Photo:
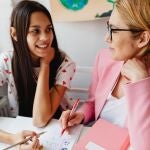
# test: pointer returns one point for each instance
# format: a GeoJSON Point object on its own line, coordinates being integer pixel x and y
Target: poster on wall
{"type": "Point", "coordinates": [80, 10]}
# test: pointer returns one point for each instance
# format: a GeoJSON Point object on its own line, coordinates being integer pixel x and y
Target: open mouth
{"type": "Point", "coordinates": [42, 46]}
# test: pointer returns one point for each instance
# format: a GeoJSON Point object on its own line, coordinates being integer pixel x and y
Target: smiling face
{"type": "Point", "coordinates": [40, 35]}
{"type": "Point", "coordinates": [122, 45]}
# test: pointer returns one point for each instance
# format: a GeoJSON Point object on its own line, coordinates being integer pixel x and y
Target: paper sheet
{"type": "Point", "coordinates": [52, 139]}
{"type": "Point", "coordinates": [91, 145]}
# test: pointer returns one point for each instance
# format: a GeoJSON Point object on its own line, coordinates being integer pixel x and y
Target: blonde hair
{"type": "Point", "coordinates": [135, 13]}
{"type": "Point", "coordinates": [136, 16]}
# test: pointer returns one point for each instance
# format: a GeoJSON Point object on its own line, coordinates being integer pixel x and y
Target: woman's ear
{"type": "Point", "coordinates": [144, 39]}
{"type": "Point", "coordinates": [13, 33]}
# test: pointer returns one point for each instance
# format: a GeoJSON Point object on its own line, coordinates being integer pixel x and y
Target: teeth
{"type": "Point", "coordinates": [42, 46]}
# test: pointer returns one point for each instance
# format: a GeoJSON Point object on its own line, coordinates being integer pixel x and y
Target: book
{"type": "Point", "coordinates": [52, 139]}
{"type": "Point", "coordinates": [104, 135]}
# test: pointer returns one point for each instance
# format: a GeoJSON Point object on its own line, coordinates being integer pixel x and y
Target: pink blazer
{"type": "Point", "coordinates": [105, 74]}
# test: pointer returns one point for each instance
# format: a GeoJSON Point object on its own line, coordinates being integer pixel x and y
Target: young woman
{"type": "Point", "coordinates": [120, 89]}
{"type": "Point", "coordinates": [36, 71]}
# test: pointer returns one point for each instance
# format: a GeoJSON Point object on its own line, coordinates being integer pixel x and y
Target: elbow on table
{"type": "Point", "coordinates": [41, 121]}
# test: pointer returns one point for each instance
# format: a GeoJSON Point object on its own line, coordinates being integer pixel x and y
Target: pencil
{"type": "Point", "coordinates": [21, 142]}
{"type": "Point", "coordinates": [75, 105]}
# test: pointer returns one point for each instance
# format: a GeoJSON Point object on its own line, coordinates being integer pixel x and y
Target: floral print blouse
{"type": "Point", "coordinates": [64, 76]}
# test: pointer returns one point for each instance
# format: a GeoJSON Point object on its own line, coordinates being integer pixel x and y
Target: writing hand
{"type": "Point", "coordinates": [31, 145]}
{"type": "Point", "coordinates": [67, 121]}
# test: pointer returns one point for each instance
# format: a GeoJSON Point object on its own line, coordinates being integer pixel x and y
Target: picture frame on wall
{"type": "Point", "coordinates": [80, 10]}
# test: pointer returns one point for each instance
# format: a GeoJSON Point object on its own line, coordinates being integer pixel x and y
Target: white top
{"type": "Point", "coordinates": [63, 77]}
{"type": "Point", "coordinates": [115, 110]}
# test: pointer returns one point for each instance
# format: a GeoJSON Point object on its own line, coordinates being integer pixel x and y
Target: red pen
{"type": "Point", "coordinates": [72, 110]}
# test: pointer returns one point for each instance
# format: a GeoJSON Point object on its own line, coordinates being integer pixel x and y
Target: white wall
{"type": "Point", "coordinates": [5, 11]}
{"type": "Point", "coordinates": [80, 40]}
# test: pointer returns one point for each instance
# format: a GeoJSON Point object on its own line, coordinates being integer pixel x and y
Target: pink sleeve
{"type": "Point", "coordinates": [88, 108]}
{"type": "Point", "coordinates": [138, 100]}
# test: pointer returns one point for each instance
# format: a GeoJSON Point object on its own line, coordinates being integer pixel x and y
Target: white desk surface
{"type": "Point", "coordinates": [6, 121]}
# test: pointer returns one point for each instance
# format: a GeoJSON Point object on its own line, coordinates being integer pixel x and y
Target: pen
{"type": "Point", "coordinates": [21, 142]}
{"type": "Point", "coordinates": [72, 110]}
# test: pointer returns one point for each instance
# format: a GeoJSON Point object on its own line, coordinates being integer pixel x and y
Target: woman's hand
{"type": "Point", "coordinates": [34, 144]}
{"type": "Point", "coordinates": [69, 121]}
{"type": "Point", "coordinates": [49, 57]}
{"type": "Point", "coordinates": [134, 70]}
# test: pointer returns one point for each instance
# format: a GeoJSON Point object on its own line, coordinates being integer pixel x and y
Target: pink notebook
{"type": "Point", "coordinates": [104, 135]}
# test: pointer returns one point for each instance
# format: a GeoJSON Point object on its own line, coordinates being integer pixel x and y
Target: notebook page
{"type": "Point", "coordinates": [52, 139]}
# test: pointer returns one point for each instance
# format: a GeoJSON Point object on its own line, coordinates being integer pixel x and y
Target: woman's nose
{"type": "Point", "coordinates": [44, 36]}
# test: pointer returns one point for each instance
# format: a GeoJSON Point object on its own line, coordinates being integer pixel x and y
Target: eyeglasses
{"type": "Point", "coordinates": [110, 30]}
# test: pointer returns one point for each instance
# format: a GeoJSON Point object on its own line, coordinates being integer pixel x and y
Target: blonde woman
{"type": "Point", "coordinates": [120, 89]}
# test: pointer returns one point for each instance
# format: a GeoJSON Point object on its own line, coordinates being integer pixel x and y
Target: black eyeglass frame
{"type": "Point", "coordinates": [110, 30]}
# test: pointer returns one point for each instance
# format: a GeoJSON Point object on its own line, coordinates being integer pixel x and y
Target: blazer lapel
{"type": "Point", "coordinates": [111, 74]}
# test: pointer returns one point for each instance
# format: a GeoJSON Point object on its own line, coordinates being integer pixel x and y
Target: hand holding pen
{"type": "Point", "coordinates": [70, 117]}
{"type": "Point", "coordinates": [29, 136]}
{"type": "Point", "coordinates": [70, 114]}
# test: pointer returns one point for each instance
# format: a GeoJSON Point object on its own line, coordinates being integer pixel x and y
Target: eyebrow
{"type": "Point", "coordinates": [111, 25]}
{"type": "Point", "coordinates": [37, 26]}
{"type": "Point", "coordinates": [114, 26]}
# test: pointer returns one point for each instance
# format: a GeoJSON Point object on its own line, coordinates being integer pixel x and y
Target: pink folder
{"type": "Point", "coordinates": [106, 135]}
